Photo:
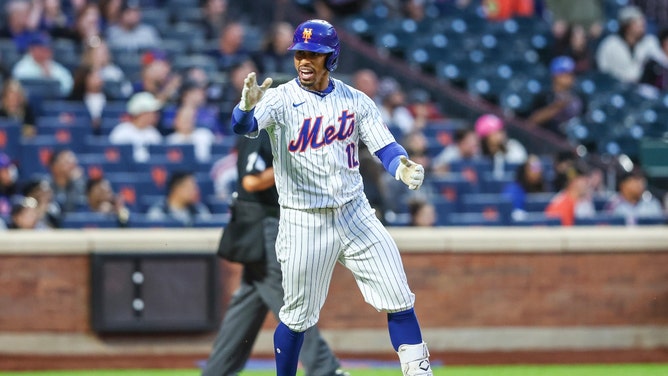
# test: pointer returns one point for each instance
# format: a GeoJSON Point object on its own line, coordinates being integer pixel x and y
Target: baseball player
{"type": "Point", "coordinates": [315, 124]}
{"type": "Point", "coordinates": [260, 289]}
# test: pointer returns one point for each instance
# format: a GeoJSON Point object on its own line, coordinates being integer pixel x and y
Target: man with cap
{"type": "Point", "coordinates": [38, 62]}
{"type": "Point", "coordinates": [24, 214]}
{"type": "Point", "coordinates": [130, 33]}
{"type": "Point", "coordinates": [561, 103]}
{"type": "Point", "coordinates": [633, 200]}
{"type": "Point", "coordinates": [625, 54]}
{"type": "Point", "coordinates": [140, 129]}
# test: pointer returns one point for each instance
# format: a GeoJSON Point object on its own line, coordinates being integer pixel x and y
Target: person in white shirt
{"type": "Point", "coordinates": [633, 201]}
{"type": "Point", "coordinates": [140, 130]}
{"type": "Point", "coordinates": [624, 55]}
{"type": "Point", "coordinates": [38, 62]}
{"type": "Point", "coordinates": [130, 33]}
{"type": "Point", "coordinates": [186, 132]}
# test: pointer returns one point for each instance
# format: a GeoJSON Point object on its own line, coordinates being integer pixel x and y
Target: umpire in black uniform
{"type": "Point", "coordinates": [250, 238]}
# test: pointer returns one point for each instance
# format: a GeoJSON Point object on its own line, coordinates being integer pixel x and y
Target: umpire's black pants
{"type": "Point", "coordinates": [261, 291]}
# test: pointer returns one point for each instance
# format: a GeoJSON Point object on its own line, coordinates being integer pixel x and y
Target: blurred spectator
{"type": "Point", "coordinates": [129, 33]}
{"type": "Point", "coordinates": [332, 9]}
{"type": "Point", "coordinates": [140, 130]}
{"type": "Point", "coordinates": [415, 9]}
{"type": "Point", "coordinates": [19, 25]}
{"type": "Point", "coordinates": [182, 202]}
{"type": "Point", "coordinates": [97, 56]}
{"type": "Point", "coordinates": [158, 77]}
{"type": "Point", "coordinates": [88, 88]}
{"type": "Point", "coordinates": [554, 108]}
{"type": "Point", "coordinates": [422, 107]}
{"type": "Point", "coordinates": [52, 18]}
{"type": "Point", "coordinates": [626, 54]}
{"type": "Point", "coordinates": [366, 81]}
{"type": "Point", "coordinates": [14, 105]}
{"type": "Point", "coordinates": [87, 26]}
{"type": "Point", "coordinates": [584, 15]}
{"type": "Point", "coordinates": [67, 180]}
{"type": "Point", "coordinates": [633, 201]}
{"type": "Point", "coordinates": [422, 213]}
{"type": "Point", "coordinates": [501, 10]}
{"type": "Point", "coordinates": [528, 179]}
{"type": "Point", "coordinates": [416, 144]}
{"type": "Point", "coordinates": [39, 63]}
{"type": "Point", "coordinates": [573, 201]}
{"type": "Point", "coordinates": [275, 56]}
{"type": "Point", "coordinates": [656, 11]}
{"type": "Point", "coordinates": [224, 176]}
{"type": "Point", "coordinates": [49, 213]}
{"type": "Point", "coordinates": [466, 147]}
{"type": "Point", "coordinates": [393, 107]}
{"type": "Point", "coordinates": [187, 132]}
{"type": "Point", "coordinates": [24, 215]}
{"type": "Point", "coordinates": [111, 12]}
{"type": "Point", "coordinates": [194, 95]}
{"type": "Point", "coordinates": [563, 161]}
{"type": "Point", "coordinates": [496, 145]}
{"type": "Point", "coordinates": [215, 17]}
{"type": "Point", "coordinates": [230, 50]}
{"type": "Point", "coordinates": [214, 89]}
{"type": "Point", "coordinates": [238, 73]}
{"type": "Point", "coordinates": [656, 74]}
{"type": "Point", "coordinates": [576, 45]}
{"type": "Point", "coordinates": [8, 176]}
{"type": "Point", "coordinates": [102, 199]}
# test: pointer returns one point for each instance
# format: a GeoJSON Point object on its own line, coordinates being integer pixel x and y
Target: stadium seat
{"type": "Point", "coordinates": [444, 209]}
{"type": "Point", "coordinates": [214, 221]}
{"type": "Point", "coordinates": [65, 108]}
{"type": "Point", "coordinates": [529, 219]}
{"type": "Point", "coordinates": [174, 157]}
{"type": "Point", "coordinates": [472, 219]}
{"type": "Point", "coordinates": [138, 220]}
{"type": "Point", "coordinates": [64, 133]}
{"type": "Point", "coordinates": [491, 206]}
{"type": "Point", "coordinates": [601, 220]}
{"type": "Point", "coordinates": [99, 164]}
{"type": "Point", "coordinates": [451, 187]}
{"type": "Point", "coordinates": [537, 202]}
{"type": "Point", "coordinates": [39, 89]}
{"type": "Point", "coordinates": [36, 152]}
{"type": "Point", "coordinates": [88, 220]}
{"type": "Point", "coordinates": [10, 137]}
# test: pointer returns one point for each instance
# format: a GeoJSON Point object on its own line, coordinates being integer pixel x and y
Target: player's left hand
{"type": "Point", "coordinates": [409, 172]}
{"type": "Point", "coordinates": [252, 92]}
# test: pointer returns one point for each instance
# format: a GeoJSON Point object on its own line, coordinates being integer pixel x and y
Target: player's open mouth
{"type": "Point", "coordinates": [306, 74]}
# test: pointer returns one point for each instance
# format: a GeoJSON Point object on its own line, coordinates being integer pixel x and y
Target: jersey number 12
{"type": "Point", "coordinates": [352, 159]}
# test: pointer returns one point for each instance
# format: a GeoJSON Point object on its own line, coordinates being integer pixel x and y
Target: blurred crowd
{"type": "Point", "coordinates": [149, 73]}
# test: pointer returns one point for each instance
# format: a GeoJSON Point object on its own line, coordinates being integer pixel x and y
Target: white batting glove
{"type": "Point", "coordinates": [409, 172]}
{"type": "Point", "coordinates": [252, 93]}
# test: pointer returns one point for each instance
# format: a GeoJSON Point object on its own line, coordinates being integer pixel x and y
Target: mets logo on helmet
{"type": "Point", "coordinates": [306, 34]}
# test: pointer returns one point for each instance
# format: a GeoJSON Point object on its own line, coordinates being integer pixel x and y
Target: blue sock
{"type": "Point", "coordinates": [404, 328]}
{"type": "Point", "coordinates": [287, 345]}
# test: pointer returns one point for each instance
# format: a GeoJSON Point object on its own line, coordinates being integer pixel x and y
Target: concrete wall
{"type": "Point", "coordinates": [505, 289]}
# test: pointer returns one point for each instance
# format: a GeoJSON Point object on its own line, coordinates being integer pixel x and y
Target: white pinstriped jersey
{"type": "Point", "coordinates": [315, 142]}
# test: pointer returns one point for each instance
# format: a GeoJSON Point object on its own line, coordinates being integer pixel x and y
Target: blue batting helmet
{"type": "Point", "coordinates": [318, 36]}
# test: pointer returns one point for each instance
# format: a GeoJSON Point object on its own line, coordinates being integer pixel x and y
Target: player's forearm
{"type": "Point", "coordinates": [243, 122]}
{"type": "Point", "coordinates": [389, 156]}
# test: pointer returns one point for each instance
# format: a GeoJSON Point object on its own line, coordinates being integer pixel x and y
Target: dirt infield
{"type": "Point", "coordinates": [27, 362]}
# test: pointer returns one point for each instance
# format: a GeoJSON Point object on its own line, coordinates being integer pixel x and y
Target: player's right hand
{"type": "Point", "coordinates": [409, 172]}
{"type": "Point", "coordinates": [252, 93]}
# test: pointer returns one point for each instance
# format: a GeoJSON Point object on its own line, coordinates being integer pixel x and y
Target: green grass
{"type": "Point", "coordinates": [560, 370]}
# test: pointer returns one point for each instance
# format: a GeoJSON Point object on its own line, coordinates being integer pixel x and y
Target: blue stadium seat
{"type": "Point", "coordinates": [537, 202]}
{"type": "Point", "coordinates": [138, 220]}
{"type": "Point", "coordinates": [64, 133]}
{"type": "Point", "coordinates": [472, 219]}
{"type": "Point", "coordinates": [39, 89]}
{"type": "Point", "coordinates": [215, 221]}
{"type": "Point", "coordinates": [132, 186]}
{"type": "Point", "coordinates": [444, 209]}
{"type": "Point", "coordinates": [100, 164]}
{"type": "Point", "coordinates": [647, 221]}
{"type": "Point", "coordinates": [36, 152]}
{"type": "Point", "coordinates": [489, 183]}
{"type": "Point", "coordinates": [88, 220]}
{"type": "Point", "coordinates": [216, 205]}
{"type": "Point", "coordinates": [601, 220]}
{"type": "Point", "coordinates": [10, 137]}
{"type": "Point", "coordinates": [536, 219]}
{"type": "Point", "coordinates": [75, 109]}
{"type": "Point", "coordinates": [452, 187]}
{"type": "Point", "coordinates": [491, 206]}
{"type": "Point", "coordinates": [181, 155]}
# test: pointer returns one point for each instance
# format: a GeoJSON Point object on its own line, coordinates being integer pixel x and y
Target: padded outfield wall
{"type": "Point", "coordinates": [502, 295]}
